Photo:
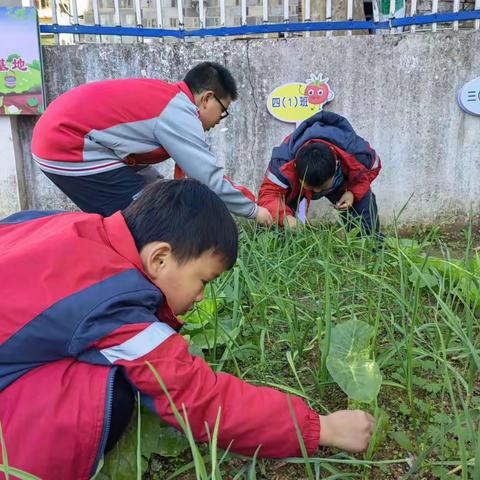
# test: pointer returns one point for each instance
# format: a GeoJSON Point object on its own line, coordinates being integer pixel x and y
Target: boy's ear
{"type": "Point", "coordinates": [155, 257]}
{"type": "Point", "coordinates": [205, 97]}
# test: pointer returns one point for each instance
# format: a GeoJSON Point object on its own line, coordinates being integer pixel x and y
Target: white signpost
{"type": "Point", "coordinates": [468, 97]}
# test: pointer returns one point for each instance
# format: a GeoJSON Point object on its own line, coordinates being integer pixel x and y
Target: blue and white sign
{"type": "Point", "coordinates": [469, 97]}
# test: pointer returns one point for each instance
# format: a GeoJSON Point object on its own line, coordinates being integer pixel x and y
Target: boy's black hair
{"type": "Point", "coordinates": [187, 215]}
{"type": "Point", "coordinates": [315, 163]}
{"type": "Point", "coordinates": [211, 76]}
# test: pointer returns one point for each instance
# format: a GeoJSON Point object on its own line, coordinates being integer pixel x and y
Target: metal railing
{"type": "Point", "coordinates": [393, 24]}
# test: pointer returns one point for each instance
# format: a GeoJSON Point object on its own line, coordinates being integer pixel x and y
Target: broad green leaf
{"type": "Point", "coordinates": [408, 245]}
{"type": "Point", "coordinates": [351, 339]}
{"type": "Point", "coordinates": [349, 361]}
{"type": "Point", "coordinates": [195, 350]}
{"type": "Point", "coordinates": [424, 279]}
{"type": "Point", "coordinates": [204, 311]}
{"type": "Point", "coordinates": [120, 462]}
{"type": "Point", "coordinates": [206, 339]}
{"type": "Point", "coordinates": [245, 351]}
{"type": "Point", "coordinates": [442, 473]}
{"type": "Point", "coordinates": [461, 274]}
{"type": "Point", "coordinates": [156, 437]}
{"type": "Point", "coordinates": [360, 379]}
{"type": "Point", "coordinates": [160, 438]}
{"type": "Point", "coordinates": [402, 439]}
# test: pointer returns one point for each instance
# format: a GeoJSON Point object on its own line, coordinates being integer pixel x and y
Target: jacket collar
{"type": "Point", "coordinates": [184, 88]}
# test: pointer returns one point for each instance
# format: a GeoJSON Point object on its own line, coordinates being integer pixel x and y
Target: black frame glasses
{"type": "Point", "coordinates": [225, 112]}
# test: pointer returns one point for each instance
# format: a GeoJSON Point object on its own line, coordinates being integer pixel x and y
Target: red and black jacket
{"type": "Point", "coordinates": [281, 191]}
{"type": "Point", "coordinates": [79, 306]}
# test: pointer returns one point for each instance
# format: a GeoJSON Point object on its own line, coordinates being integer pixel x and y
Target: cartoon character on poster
{"type": "Point", "coordinates": [318, 91]}
{"type": "Point", "coordinates": [295, 102]}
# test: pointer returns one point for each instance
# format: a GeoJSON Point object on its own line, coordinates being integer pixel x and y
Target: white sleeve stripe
{"type": "Point", "coordinates": [275, 180]}
{"type": "Point", "coordinates": [139, 345]}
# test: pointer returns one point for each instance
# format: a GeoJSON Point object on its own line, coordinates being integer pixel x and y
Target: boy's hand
{"type": "Point", "coordinates": [346, 201]}
{"type": "Point", "coordinates": [263, 217]}
{"type": "Point", "coordinates": [348, 430]}
{"type": "Point", "coordinates": [292, 222]}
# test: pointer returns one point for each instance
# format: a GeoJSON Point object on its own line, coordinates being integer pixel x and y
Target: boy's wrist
{"type": "Point", "coordinates": [254, 212]}
{"type": "Point", "coordinates": [325, 432]}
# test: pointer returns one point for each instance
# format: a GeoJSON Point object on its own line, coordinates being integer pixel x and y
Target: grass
{"type": "Point", "coordinates": [272, 325]}
{"type": "Point", "coordinates": [8, 471]}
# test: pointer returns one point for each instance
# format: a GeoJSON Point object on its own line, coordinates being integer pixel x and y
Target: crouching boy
{"type": "Point", "coordinates": [87, 300]}
{"type": "Point", "coordinates": [323, 157]}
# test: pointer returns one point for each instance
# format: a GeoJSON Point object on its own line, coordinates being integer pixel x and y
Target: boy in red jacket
{"type": "Point", "coordinates": [323, 157]}
{"type": "Point", "coordinates": [101, 156]}
{"type": "Point", "coordinates": [87, 300]}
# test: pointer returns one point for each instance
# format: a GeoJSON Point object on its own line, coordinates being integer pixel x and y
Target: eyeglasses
{"type": "Point", "coordinates": [224, 113]}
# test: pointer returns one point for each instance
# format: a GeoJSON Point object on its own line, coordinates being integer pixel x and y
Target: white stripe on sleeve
{"type": "Point", "coordinates": [139, 345]}
{"type": "Point", "coordinates": [275, 180]}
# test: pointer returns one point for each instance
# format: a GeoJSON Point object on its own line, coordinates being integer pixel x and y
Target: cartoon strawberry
{"type": "Point", "coordinates": [318, 91]}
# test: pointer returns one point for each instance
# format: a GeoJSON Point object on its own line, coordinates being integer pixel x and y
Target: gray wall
{"type": "Point", "coordinates": [399, 92]}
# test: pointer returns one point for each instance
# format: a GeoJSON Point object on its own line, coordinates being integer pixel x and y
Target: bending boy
{"type": "Point", "coordinates": [323, 157]}
{"type": "Point", "coordinates": [96, 141]}
{"type": "Point", "coordinates": [87, 300]}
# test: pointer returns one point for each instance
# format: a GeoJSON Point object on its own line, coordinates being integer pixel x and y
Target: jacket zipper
{"type": "Point", "coordinates": [107, 419]}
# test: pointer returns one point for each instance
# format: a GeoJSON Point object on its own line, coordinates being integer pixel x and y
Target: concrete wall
{"type": "Point", "coordinates": [399, 92]}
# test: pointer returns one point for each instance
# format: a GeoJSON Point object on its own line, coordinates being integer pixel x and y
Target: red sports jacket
{"type": "Point", "coordinates": [281, 192]}
{"type": "Point", "coordinates": [76, 305]}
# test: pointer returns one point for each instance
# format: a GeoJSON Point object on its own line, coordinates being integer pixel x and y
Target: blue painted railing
{"type": "Point", "coordinates": [265, 28]}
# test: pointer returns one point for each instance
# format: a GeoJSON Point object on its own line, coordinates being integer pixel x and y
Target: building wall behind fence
{"type": "Point", "coordinates": [399, 92]}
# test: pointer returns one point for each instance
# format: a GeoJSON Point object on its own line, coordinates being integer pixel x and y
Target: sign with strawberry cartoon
{"type": "Point", "coordinates": [295, 102]}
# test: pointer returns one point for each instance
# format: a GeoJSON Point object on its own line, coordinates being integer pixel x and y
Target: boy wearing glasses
{"type": "Point", "coordinates": [323, 157]}
{"type": "Point", "coordinates": [97, 142]}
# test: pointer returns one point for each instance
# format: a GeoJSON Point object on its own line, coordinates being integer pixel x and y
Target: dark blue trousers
{"type": "Point", "coordinates": [106, 192]}
{"type": "Point", "coordinates": [364, 212]}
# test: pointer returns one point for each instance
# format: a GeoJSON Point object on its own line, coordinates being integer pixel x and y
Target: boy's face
{"type": "Point", "coordinates": [212, 109]}
{"type": "Point", "coordinates": [327, 185]}
{"type": "Point", "coordinates": [182, 284]}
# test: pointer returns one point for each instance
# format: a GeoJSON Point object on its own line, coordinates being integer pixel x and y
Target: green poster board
{"type": "Point", "coordinates": [21, 77]}
{"type": "Point", "coordinates": [385, 9]}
